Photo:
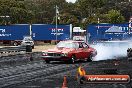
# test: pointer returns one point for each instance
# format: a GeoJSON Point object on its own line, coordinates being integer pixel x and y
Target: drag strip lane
{"type": "Point", "coordinates": [35, 72]}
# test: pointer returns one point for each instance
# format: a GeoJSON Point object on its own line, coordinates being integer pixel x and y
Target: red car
{"type": "Point", "coordinates": [69, 51]}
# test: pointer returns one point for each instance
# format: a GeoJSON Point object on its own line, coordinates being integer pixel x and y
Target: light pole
{"type": "Point", "coordinates": [57, 12]}
{"type": "Point", "coordinates": [130, 20]}
{"type": "Point", "coordinates": [98, 26]}
{"type": "Point", "coordinates": [130, 26]}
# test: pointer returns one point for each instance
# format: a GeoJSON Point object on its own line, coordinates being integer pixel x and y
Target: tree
{"type": "Point", "coordinates": [67, 18]}
{"type": "Point", "coordinates": [16, 11]}
{"type": "Point", "coordinates": [115, 16]}
{"type": "Point", "coordinates": [89, 7]}
{"type": "Point", "coordinates": [43, 11]}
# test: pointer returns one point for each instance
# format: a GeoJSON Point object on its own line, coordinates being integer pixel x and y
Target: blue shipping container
{"type": "Point", "coordinates": [14, 32]}
{"type": "Point", "coordinates": [98, 31]}
{"type": "Point", "coordinates": [48, 32]}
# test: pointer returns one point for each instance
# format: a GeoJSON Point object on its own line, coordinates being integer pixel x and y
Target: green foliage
{"type": "Point", "coordinates": [67, 18]}
{"type": "Point", "coordinates": [43, 11]}
{"type": "Point", "coordinates": [115, 16]}
{"type": "Point", "coordinates": [89, 7]}
{"type": "Point", "coordinates": [16, 11]}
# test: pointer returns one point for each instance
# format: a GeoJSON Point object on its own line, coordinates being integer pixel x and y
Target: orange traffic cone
{"type": "Point", "coordinates": [64, 83]}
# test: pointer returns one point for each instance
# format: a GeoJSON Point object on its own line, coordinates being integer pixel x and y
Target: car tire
{"type": "Point", "coordinates": [72, 60]}
{"type": "Point", "coordinates": [47, 61]}
{"type": "Point", "coordinates": [89, 59]}
{"type": "Point", "coordinates": [33, 47]}
{"type": "Point", "coordinates": [31, 58]}
{"type": "Point", "coordinates": [15, 44]}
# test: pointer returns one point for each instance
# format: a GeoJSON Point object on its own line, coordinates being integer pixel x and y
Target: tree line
{"type": "Point", "coordinates": [80, 13]}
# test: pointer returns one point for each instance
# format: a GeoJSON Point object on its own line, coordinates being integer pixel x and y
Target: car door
{"type": "Point", "coordinates": [86, 51]}
{"type": "Point", "coordinates": [82, 50]}
{"type": "Point", "coordinates": [79, 51]}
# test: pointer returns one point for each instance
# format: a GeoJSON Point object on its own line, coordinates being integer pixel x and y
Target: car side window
{"type": "Point", "coordinates": [85, 45]}
{"type": "Point", "coordinates": [80, 45]}
{"type": "Point", "coordinates": [76, 45]}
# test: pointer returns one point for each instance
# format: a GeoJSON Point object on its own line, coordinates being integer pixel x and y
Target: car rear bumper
{"type": "Point", "coordinates": [55, 58]}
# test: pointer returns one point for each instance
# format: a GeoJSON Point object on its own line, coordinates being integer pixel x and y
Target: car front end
{"type": "Point", "coordinates": [27, 41]}
{"type": "Point", "coordinates": [24, 43]}
{"type": "Point", "coordinates": [55, 56]}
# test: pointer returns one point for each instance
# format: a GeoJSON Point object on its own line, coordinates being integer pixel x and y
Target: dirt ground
{"type": "Point", "coordinates": [37, 48]}
{"type": "Point", "coordinates": [42, 47]}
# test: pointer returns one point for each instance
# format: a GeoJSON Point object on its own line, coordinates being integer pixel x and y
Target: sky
{"type": "Point", "coordinates": [73, 1]}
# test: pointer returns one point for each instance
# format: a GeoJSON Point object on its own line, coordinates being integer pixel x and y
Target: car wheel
{"type": "Point", "coordinates": [31, 58]}
{"type": "Point", "coordinates": [47, 61]}
{"type": "Point", "coordinates": [33, 47]}
{"type": "Point", "coordinates": [72, 60]}
{"type": "Point", "coordinates": [15, 44]}
{"type": "Point", "coordinates": [90, 58]}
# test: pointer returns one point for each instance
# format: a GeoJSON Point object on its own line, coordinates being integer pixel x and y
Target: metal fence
{"type": "Point", "coordinates": [5, 51]}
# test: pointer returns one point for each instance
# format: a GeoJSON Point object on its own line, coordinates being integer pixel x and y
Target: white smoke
{"type": "Point", "coordinates": [111, 50]}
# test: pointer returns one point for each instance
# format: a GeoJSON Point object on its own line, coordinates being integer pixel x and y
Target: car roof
{"type": "Point", "coordinates": [73, 41]}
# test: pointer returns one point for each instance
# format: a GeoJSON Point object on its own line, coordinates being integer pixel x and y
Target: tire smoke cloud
{"type": "Point", "coordinates": [111, 49]}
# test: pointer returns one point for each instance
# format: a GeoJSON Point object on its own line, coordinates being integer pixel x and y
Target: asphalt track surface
{"type": "Point", "coordinates": [19, 72]}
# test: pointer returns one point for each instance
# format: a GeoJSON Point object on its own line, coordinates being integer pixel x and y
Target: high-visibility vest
{"type": "Point", "coordinates": [81, 71]}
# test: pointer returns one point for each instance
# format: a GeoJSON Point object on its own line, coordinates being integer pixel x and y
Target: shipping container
{"type": "Point", "coordinates": [14, 32]}
{"type": "Point", "coordinates": [99, 32]}
{"type": "Point", "coordinates": [41, 32]}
